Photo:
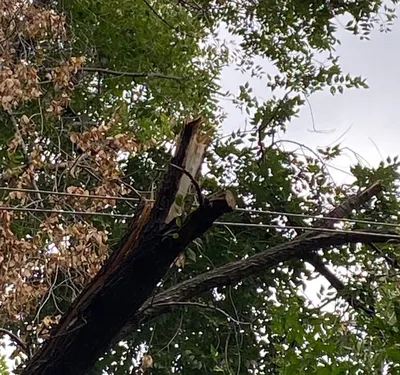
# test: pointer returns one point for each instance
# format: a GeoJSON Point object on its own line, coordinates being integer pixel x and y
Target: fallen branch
{"type": "Point", "coordinates": [350, 204]}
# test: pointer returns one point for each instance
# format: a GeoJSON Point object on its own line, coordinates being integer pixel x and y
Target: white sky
{"type": "Point", "coordinates": [371, 113]}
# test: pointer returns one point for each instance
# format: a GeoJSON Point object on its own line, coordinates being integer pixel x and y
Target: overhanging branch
{"type": "Point", "coordinates": [234, 272]}
{"type": "Point", "coordinates": [130, 74]}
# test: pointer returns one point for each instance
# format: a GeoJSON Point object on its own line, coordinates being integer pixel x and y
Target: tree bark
{"type": "Point", "coordinates": [234, 272]}
{"type": "Point", "coordinates": [124, 283]}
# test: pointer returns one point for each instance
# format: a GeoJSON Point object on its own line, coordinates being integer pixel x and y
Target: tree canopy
{"type": "Point", "coordinates": [102, 104]}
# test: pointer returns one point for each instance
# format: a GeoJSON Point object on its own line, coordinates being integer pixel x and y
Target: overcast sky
{"type": "Point", "coordinates": [371, 114]}
{"type": "Point", "coordinates": [370, 118]}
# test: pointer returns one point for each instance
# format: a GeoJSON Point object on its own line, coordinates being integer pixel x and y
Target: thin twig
{"type": "Point", "coordinates": [194, 182]}
{"type": "Point", "coordinates": [313, 119]}
{"type": "Point", "coordinates": [160, 17]}
{"type": "Point", "coordinates": [266, 124]}
{"type": "Point", "coordinates": [16, 340]}
{"type": "Point", "coordinates": [47, 296]}
{"type": "Point", "coordinates": [202, 305]}
{"type": "Point", "coordinates": [129, 74]}
{"type": "Point", "coordinates": [174, 336]}
{"type": "Point", "coordinates": [25, 153]}
{"type": "Point", "coordinates": [393, 262]}
{"type": "Point", "coordinates": [302, 147]}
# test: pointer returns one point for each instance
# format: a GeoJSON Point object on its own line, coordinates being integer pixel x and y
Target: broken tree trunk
{"type": "Point", "coordinates": [131, 274]}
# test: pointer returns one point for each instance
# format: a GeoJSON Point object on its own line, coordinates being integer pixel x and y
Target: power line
{"type": "Point", "coordinates": [247, 210]}
{"type": "Point", "coordinates": [64, 212]}
{"type": "Point", "coordinates": [312, 229]}
{"type": "Point", "coordinates": [307, 216]}
{"type": "Point", "coordinates": [223, 223]}
{"type": "Point", "coordinates": [62, 193]}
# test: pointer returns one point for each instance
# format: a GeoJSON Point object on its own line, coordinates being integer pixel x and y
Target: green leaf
{"type": "Point", "coordinates": [191, 254]}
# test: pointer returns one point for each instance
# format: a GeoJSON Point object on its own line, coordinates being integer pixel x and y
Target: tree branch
{"type": "Point", "coordinates": [319, 265]}
{"type": "Point", "coordinates": [389, 260]}
{"type": "Point", "coordinates": [342, 211]}
{"type": "Point", "coordinates": [194, 287]}
{"type": "Point", "coordinates": [194, 182]}
{"type": "Point", "coordinates": [129, 74]}
{"type": "Point", "coordinates": [350, 204]}
{"type": "Point", "coordinates": [234, 272]}
{"type": "Point", "coordinates": [172, 305]}
{"type": "Point", "coordinates": [16, 340]}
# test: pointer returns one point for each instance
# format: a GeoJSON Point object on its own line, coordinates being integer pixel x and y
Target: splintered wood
{"type": "Point", "coordinates": [192, 163]}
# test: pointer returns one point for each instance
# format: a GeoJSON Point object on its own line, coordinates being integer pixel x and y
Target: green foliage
{"type": "Point", "coordinates": [265, 324]}
{"type": "Point", "coordinates": [130, 37]}
{"type": "Point", "coordinates": [3, 366]}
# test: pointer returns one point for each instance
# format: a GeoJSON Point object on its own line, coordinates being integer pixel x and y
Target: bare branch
{"type": "Point", "coordinates": [194, 182]}
{"type": "Point", "coordinates": [16, 340]}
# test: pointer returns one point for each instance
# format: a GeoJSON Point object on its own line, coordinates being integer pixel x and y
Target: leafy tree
{"type": "Point", "coordinates": [92, 95]}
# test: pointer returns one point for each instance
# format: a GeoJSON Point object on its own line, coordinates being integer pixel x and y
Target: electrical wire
{"type": "Point", "coordinates": [307, 216]}
{"type": "Point", "coordinates": [246, 210]}
{"type": "Point", "coordinates": [312, 229]}
{"type": "Point", "coordinates": [224, 223]}
{"type": "Point", "coordinates": [62, 193]}
{"type": "Point", "coordinates": [64, 212]}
